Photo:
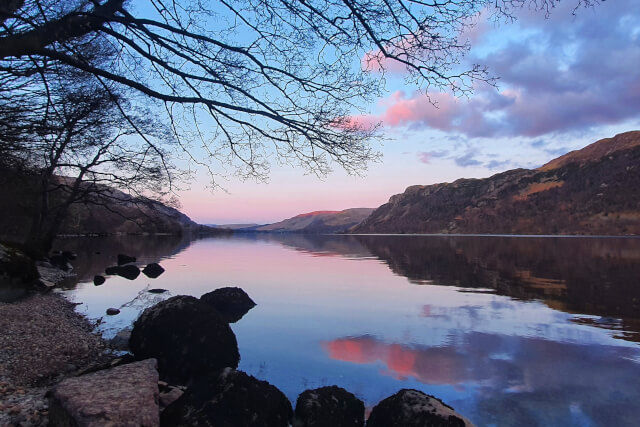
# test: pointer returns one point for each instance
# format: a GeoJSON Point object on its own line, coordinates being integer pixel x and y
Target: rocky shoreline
{"type": "Point", "coordinates": [42, 341]}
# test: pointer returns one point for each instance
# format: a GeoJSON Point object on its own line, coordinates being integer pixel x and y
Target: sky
{"type": "Point", "coordinates": [564, 81]}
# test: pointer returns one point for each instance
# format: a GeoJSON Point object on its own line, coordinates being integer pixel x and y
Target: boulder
{"type": "Point", "coordinates": [60, 261]}
{"type": "Point", "coordinates": [153, 270]}
{"type": "Point", "coordinates": [18, 274]}
{"type": "Point", "coordinates": [121, 340]}
{"type": "Point", "coordinates": [129, 271]}
{"type": "Point", "coordinates": [157, 291]}
{"type": "Point", "coordinates": [231, 303]}
{"type": "Point", "coordinates": [112, 311]}
{"type": "Point", "coordinates": [125, 259]}
{"type": "Point", "coordinates": [413, 408]}
{"type": "Point", "coordinates": [187, 337]}
{"type": "Point", "coordinates": [126, 395]}
{"type": "Point", "coordinates": [98, 280]}
{"type": "Point", "coordinates": [229, 398]}
{"type": "Point", "coordinates": [328, 407]}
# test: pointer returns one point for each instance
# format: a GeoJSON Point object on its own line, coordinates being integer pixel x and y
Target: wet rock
{"type": "Point", "coordinates": [157, 291]}
{"type": "Point", "coordinates": [112, 271]}
{"type": "Point", "coordinates": [125, 259]}
{"type": "Point", "coordinates": [112, 311]}
{"type": "Point", "coordinates": [153, 270]}
{"type": "Point", "coordinates": [126, 395]}
{"type": "Point", "coordinates": [231, 303]}
{"type": "Point", "coordinates": [121, 340]}
{"type": "Point", "coordinates": [186, 336]}
{"type": "Point", "coordinates": [129, 271]}
{"type": "Point", "coordinates": [328, 407]}
{"type": "Point", "coordinates": [98, 280]}
{"type": "Point", "coordinates": [413, 408]}
{"type": "Point", "coordinates": [229, 398]}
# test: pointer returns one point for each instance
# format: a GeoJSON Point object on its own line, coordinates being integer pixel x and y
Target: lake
{"type": "Point", "coordinates": [507, 330]}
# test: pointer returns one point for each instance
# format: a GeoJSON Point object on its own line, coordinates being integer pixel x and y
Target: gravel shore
{"type": "Point", "coordinates": [42, 341]}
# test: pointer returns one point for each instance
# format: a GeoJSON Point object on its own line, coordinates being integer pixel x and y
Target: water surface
{"type": "Point", "coordinates": [507, 330]}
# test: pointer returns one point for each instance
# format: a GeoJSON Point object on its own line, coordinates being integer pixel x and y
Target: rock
{"type": "Point", "coordinates": [60, 262]}
{"type": "Point", "coordinates": [121, 340]}
{"type": "Point", "coordinates": [171, 395]}
{"type": "Point", "coordinates": [112, 311]}
{"type": "Point", "coordinates": [153, 270]}
{"type": "Point", "coordinates": [70, 256]}
{"type": "Point", "coordinates": [328, 407]}
{"type": "Point", "coordinates": [129, 271]}
{"type": "Point", "coordinates": [112, 271]}
{"type": "Point", "coordinates": [187, 337]}
{"type": "Point", "coordinates": [231, 303]}
{"type": "Point", "coordinates": [46, 284]}
{"type": "Point", "coordinates": [413, 408]}
{"type": "Point", "coordinates": [126, 395]}
{"type": "Point", "coordinates": [229, 398]}
{"type": "Point", "coordinates": [157, 291]}
{"type": "Point", "coordinates": [125, 259]}
{"type": "Point", "coordinates": [98, 280]}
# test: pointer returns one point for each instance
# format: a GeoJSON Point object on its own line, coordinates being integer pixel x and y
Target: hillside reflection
{"type": "Point", "coordinates": [595, 276]}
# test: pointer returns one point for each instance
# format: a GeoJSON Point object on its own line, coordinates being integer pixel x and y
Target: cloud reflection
{"type": "Point", "coordinates": [538, 378]}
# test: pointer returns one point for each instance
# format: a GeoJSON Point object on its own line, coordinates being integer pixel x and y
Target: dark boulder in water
{"type": "Point", "coordinates": [112, 311]}
{"type": "Point", "coordinates": [328, 407]}
{"type": "Point", "coordinates": [229, 398]}
{"type": "Point", "coordinates": [125, 259]}
{"type": "Point", "coordinates": [413, 408]}
{"type": "Point", "coordinates": [187, 338]}
{"type": "Point", "coordinates": [98, 280]}
{"type": "Point", "coordinates": [130, 272]}
{"type": "Point", "coordinates": [153, 270]}
{"type": "Point", "coordinates": [231, 303]}
{"type": "Point", "coordinates": [157, 291]}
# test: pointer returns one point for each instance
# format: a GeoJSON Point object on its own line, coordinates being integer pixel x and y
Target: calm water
{"type": "Point", "coordinates": [508, 330]}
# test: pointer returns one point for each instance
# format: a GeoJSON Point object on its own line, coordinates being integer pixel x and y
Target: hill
{"type": "Point", "coordinates": [319, 222]}
{"type": "Point", "coordinates": [595, 190]}
{"type": "Point", "coordinates": [123, 214]}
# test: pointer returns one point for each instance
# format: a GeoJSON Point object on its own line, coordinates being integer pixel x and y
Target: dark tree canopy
{"type": "Point", "coordinates": [250, 79]}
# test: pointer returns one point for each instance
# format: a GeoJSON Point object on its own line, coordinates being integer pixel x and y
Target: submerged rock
{"type": "Point", "coordinates": [98, 280]}
{"type": "Point", "coordinates": [229, 398]}
{"type": "Point", "coordinates": [328, 407]}
{"type": "Point", "coordinates": [231, 303]}
{"type": "Point", "coordinates": [125, 259]}
{"type": "Point", "coordinates": [153, 270]}
{"type": "Point", "coordinates": [187, 337]}
{"type": "Point", "coordinates": [126, 395]}
{"type": "Point", "coordinates": [413, 408]}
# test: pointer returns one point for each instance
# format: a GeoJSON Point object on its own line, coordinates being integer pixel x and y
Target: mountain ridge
{"type": "Point", "coordinates": [595, 190]}
{"type": "Point", "coordinates": [319, 222]}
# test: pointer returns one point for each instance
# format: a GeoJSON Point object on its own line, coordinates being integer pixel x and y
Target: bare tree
{"type": "Point", "coordinates": [247, 79]}
{"type": "Point", "coordinates": [78, 142]}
